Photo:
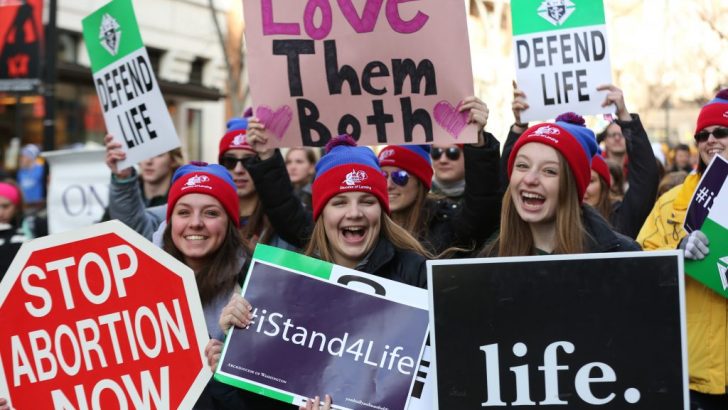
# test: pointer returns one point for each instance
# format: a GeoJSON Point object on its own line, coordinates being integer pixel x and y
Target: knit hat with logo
{"type": "Point", "coordinates": [347, 168]}
{"type": "Point", "coordinates": [203, 178]}
{"type": "Point", "coordinates": [415, 159]}
{"type": "Point", "coordinates": [715, 112]}
{"type": "Point", "coordinates": [234, 137]}
{"type": "Point", "coordinates": [571, 138]}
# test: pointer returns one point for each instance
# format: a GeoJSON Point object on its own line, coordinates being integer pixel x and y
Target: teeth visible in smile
{"type": "Point", "coordinates": [194, 237]}
{"type": "Point", "coordinates": [529, 195]}
{"type": "Point", "coordinates": [352, 229]}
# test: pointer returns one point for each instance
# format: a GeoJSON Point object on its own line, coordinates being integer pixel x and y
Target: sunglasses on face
{"type": "Point", "coordinates": [453, 153]}
{"type": "Point", "coordinates": [718, 133]}
{"type": "Point", "coordinates": [399, 177]}
{"type": "Point", "coordinates": [231, 162]}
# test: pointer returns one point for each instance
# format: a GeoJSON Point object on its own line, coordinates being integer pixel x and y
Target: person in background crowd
{"type": "Point", "coordinates": [437, 222]}
{"type": "Point", "coordinates": [707, 312]}
{"type": "Point", "coordinates": [31, 175]}
{"type": "Point", "coordinates": [617, 188]}
{"type": "Point", "coordinates": [12, 233]}
{"type": "Point", "coordinates": [155, 178]}
{"type": "Point", "coordinates": [628, 215]}
{"type": "Point", "coordinates": [300, 164]}
{"type": "Point", "coordinates": [681, 160]}
{"type": "Point", "coordinates": [670, 181]}
{"type": "Point", "coordinates": [542, 213]}
{"type": "Point", "coordinates": [615, 145]}
{"type": "Point", "coordinates": [126, 204]}
{"type": "Point", "coordinates": [449, 164]}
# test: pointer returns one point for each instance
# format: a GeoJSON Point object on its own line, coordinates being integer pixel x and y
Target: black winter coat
{"type": "Point", "coordinates": [468, 223]}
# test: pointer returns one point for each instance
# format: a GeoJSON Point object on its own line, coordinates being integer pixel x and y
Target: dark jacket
{"type": "Point", "coordinates": [601, 237]}
{"type": "Point", "coordinates": [468, 223]}
{"type": "Point", "coordinates": [643, 178]}
{"type": "Point", "coordinates": [294, 224]}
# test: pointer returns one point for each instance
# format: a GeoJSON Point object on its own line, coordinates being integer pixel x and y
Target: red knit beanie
{"type": "Point", "coordinates": [347, 168]}
{"type": "Point", "coordinates": [715, 112]}
{"type": "Point", "coordinates": [234, 137]}
{"type": "Point", "coordinates": [412, 158]}
{"type": "Point", "coordinates": [208, 179]}
{"type": "Point", "coordinates": [599, 165]}
{"type": "Point", "coordinates": [571, 138]}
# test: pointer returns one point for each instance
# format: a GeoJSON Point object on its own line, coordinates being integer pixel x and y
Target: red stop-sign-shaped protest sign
{"type": "Point", "coordinates": [99, 318]}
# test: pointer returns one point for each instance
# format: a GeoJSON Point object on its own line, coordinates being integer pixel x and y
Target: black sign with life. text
{"type": "Point", "coordinates": [601, 331]}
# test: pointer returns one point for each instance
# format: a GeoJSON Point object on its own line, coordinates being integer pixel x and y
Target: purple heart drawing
{"type": "Point", "coordinates": [449, 118]}
{"type": "Point", "coordinates": [276, 121]}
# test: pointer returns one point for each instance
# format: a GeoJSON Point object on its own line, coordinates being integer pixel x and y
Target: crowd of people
{"type": "Point", "coordinates": [554, 188]}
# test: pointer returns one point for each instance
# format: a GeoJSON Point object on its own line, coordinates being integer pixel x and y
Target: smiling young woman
{"type": "Point", "coordinates": [542, 213]}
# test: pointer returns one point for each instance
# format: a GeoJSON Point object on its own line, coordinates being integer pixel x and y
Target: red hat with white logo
{"type": "Point", "coordinates": [203, 178]}
{"type": "Point", "coordinates": [414, 159]}
{"type": "Point", "coordinates": [715, 112]}
{"type": "Point", "coordinates": [347, 168]}
{"type": "Point", "coordinates": [234, 137]}
{"type": "Point", "coordinates": [571, 138]}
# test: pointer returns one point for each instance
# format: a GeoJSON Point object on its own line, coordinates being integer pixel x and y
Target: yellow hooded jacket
{"type": "Point", "coordinates": [706, 310]}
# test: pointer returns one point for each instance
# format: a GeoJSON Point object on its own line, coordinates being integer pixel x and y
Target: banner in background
{"type": "Point", "coordinates": [561, 53]}
{"type": "Point", "coordinates": [78, 188]}
{"type": "Point", "coordinates": [134, 109]}
{"type": "Point", "coordinates": [21, 44]}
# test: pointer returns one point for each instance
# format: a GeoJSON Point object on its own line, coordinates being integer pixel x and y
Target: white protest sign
{"type": "Point", "coordinates": [561, 55]}
{"type": "Point", "coordinates": [134, 109]}
{"type": "Point", "coordinates": [78, 189]}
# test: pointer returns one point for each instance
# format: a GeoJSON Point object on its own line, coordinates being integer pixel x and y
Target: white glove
{"type": "Point", "coordinates": [695, 245]}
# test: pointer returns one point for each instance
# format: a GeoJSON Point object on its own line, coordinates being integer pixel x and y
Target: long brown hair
{"type": "Point", "coordinates": [604, 203]}
{"type": "Point", "coordinates": [515, 238]}
{"type": "Point", "coordinates": [257, 229]}
{"type": "Point", "coordinates": [221, 272]}
{"type": "Point", "coordinates": [320, 247]}
{"type": "Point", "coordinates": [413, 218]}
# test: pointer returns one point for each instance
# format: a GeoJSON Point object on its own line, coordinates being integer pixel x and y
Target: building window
{"type": "Point", "coordinates": [67, 50]}
{"type": "Point", "coordinates": [198, 66]}
{"type": "Point", "coordinates": [155, 57]}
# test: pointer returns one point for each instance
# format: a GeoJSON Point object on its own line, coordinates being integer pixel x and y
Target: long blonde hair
{"type": "Point", "coordinates": [515, 238]}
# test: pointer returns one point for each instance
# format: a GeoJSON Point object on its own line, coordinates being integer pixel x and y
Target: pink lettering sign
{"type": "Point", "coordinates": [383, 71]}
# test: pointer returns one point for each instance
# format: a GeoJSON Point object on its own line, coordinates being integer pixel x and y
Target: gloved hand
{"type": "Point", "coordinates": [695, 245]}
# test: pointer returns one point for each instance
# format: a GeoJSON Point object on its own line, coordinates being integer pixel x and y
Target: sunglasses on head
{"type": "Point", "coordinates": [231, 162]}
{"type": "Point", "coordinates": [718, 133]}
{"type": "Point", "coordinates": [453, 153]}
{"type": "Point", "coordinates": [399, 177]}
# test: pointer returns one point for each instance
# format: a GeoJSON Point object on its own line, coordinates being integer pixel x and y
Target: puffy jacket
{"type": "Point", "coordinates": [467, 223]}
{"type": "Point", "coordinates": [127, 205]}
{"type": "Point", "coordinates": [601, 237]}
{"type": "Point", "coordinates": [706, 310]}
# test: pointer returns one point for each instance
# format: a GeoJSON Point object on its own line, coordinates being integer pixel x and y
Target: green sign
{"type": "Point", "coordinates": [533, 16]}
{"type": "Point", "coordinates": [713, 270]}
{"type": "Point", "coordinates": [111, 33]}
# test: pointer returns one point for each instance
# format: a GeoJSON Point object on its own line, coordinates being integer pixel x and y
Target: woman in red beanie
{"type": "Point", "coordinates": [627, 215]}
{"type": "Point", "coordinates": [439, 222]}
{"type": "Point", "coordinates": [707, 311]}
{"type": "Point", "coordinates": [542, 213]}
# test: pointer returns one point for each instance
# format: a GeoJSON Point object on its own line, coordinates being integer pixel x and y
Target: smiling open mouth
{"type": "Point", "coordinates": [532, 199]}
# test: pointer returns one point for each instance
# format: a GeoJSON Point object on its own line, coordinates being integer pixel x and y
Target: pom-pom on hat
{"type": "Point", "coordinates": [203, 178]}
{"type": "Point", "coordinates": [599, 165]}
{"type": "Point", "coordinates": [234, 137]}
{"type": "Point", "coordinates": [415, 159]}
{"type": "Point", "coordinates": [346, 168]}
{"type": "Point", "coordinates": [715, 112]}
{"type": "Point", "coordinates": [571, 138]}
